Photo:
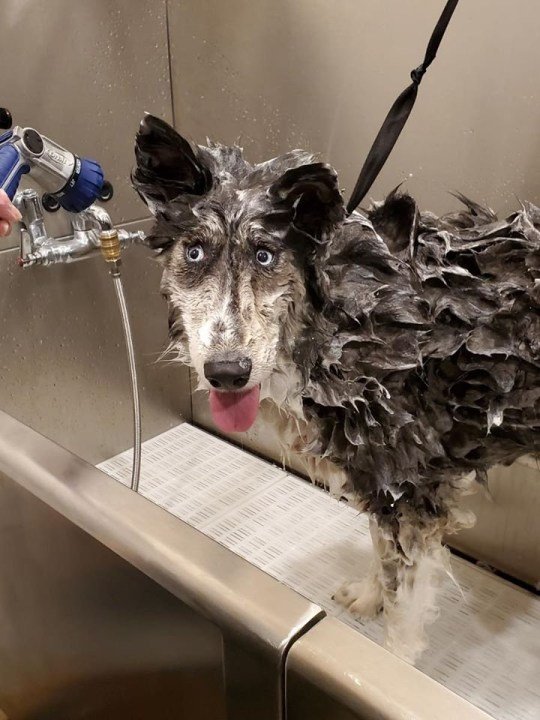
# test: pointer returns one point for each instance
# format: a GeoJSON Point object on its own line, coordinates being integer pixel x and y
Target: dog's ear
{"type": "Point", "coordinates": [310, 195]}
{"type": "Point", "coordinates": [168, 168]}
{"type": "Point", "coordinates": [395, 220]}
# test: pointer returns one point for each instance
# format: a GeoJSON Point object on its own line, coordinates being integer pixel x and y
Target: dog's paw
{"type": "Point", "coordinates": [362, 598]}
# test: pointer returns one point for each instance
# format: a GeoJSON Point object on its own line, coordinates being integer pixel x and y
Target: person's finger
{"type": "Point", "coordinates": [5, 228]}
{"type": "Point", "coordinates": [8, 211]}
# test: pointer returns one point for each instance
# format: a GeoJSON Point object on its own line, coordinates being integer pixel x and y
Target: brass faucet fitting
{"type": "Point", "coordinates": [110, 249]}
{"type": "Point", "coordinates": [110, 245]}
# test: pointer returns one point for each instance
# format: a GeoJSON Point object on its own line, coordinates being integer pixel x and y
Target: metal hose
{"type": "Point", "coordinates": [136, 471]}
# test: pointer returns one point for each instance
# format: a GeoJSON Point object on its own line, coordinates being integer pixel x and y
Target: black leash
{"type": "Point", "coordinates": [398, 114]}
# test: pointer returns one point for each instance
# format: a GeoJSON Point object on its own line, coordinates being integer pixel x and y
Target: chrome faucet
{"type": "Point", "coordinates": [37, 248]}
{"type": "Point", "coordinates": [74, 184]}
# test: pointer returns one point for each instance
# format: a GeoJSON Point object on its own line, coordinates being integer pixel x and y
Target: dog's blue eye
{"type": "Point", "coordinates": [194, 253]}
{"type": "Point", "coordinates": [264, 257]}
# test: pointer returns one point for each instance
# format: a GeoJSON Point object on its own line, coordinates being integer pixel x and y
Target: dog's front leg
{"type": "Point", "coordinates": [409, 564]}
{"type": "Point", "coordinates": [402, 581]}
{"type": "Point", "coordinates": [363, 598]}
{"type": "Point", "coordinates": [409, 543]}
{"type": "Point", "coordinates": [408, 561]}
{"type": "Point", "coordinates": [413, 563]}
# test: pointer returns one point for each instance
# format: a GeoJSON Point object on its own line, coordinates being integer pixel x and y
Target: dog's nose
{"type": "Point", "coordinates": [228, 374]}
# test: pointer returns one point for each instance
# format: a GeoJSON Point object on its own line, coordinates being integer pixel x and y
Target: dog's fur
{"type": "Point", "coordinates": [402, 349]}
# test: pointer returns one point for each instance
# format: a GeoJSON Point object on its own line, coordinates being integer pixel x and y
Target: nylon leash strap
{"type": "Point", "coordinates": [398, 114]}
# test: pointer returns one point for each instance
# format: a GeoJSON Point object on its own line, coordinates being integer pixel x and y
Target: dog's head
{"type": "Point", "coordinates": [236, 242]}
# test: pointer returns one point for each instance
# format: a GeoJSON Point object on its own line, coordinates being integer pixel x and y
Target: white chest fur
{"type": "Point", "coordinates": [282, 408]}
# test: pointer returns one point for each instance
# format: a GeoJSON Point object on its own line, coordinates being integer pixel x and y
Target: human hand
{"type": "Point", "coordinates": [8, 214]}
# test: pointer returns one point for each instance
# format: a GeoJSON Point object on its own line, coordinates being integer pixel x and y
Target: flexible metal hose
{"type": "Point", "coordinates": [117, 280]}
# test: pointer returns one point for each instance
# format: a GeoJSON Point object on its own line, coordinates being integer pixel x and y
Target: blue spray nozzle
{"type": "Point", "coordinates": [84, 187]}
{"type": "Point", "coordinates": [69, 181]}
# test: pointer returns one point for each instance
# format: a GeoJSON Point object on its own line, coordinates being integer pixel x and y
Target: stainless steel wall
{"type": "Point", "coordinates": [322, 75]}
{"type": "Point", "coordinates": [83, 73]}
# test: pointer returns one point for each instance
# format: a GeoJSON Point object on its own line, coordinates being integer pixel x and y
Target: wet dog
{"type": "Point", "coordinates": [400, 351]}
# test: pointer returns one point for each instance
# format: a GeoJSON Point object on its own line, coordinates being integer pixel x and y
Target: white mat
{"type": "Point", "coordinates": [486, 648]}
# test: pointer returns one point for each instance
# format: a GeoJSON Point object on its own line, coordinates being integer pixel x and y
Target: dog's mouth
{"type": "Point", "coordinates": [234, 411]}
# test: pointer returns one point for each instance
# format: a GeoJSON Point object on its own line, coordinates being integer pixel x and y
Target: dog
{"type": "Point", "coordinates": [397, 352]}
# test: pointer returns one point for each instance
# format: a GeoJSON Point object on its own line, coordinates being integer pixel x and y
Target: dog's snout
{"type": "Point", "coordinates": [228, 374]}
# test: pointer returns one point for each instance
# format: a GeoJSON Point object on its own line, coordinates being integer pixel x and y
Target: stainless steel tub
{"type": "Point", "coordinates": [110, 607]}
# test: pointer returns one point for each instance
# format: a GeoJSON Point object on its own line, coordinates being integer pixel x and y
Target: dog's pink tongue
{"type": "Point", "coordinates": [234, 411]}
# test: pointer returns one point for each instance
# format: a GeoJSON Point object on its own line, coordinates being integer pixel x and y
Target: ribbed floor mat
{"type": "Point", "coordinates": [485, 646]}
